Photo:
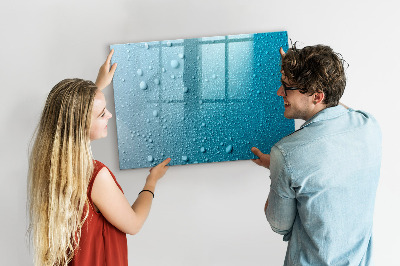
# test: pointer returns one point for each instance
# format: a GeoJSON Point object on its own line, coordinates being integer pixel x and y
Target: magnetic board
{"type": "Point", "coordinates": [198, 100]}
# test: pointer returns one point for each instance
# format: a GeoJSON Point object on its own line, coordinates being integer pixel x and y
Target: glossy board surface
{"type": "Point", "coordinates": [198, 100]}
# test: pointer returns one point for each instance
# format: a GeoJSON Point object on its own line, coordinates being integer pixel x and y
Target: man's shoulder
{"type": "Point", "coordinates": [321, 130]}
{"type": "Point", "coordinates": [293, 141]}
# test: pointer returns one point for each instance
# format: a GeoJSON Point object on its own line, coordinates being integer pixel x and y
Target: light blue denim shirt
{"type": "Point", "coordinates": [323, 183]}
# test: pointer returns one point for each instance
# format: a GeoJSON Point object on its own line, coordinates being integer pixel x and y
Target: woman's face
{"type": "Point", "coordinates": [100, 116]}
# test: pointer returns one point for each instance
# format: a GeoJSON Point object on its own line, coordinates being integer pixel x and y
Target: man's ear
{"type": "Point", "coordinates": [318, 97]}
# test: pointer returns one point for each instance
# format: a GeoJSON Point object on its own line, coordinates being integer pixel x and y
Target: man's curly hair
{"type": "Point", "coordinates": [316, 69]}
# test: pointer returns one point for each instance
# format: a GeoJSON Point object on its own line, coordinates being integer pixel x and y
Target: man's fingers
{"type": "Point", "coordinates": [256, 151]}
{"type": "Point", "coordinates": [257, 161]}
{"type": "Point", "coordinates": [282, 52]}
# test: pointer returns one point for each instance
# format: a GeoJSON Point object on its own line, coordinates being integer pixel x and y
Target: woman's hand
{"type": "Point", "coordinates": [158, 171]}
{"type": "Point", "coordinates": [106, 74]}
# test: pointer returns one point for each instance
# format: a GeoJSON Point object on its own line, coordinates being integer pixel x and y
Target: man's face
{"type": "Point", "coordinates": [297, 104]}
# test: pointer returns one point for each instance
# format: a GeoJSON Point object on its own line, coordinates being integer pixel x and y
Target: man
{"type": "Point", "coordinates": [324, 175]}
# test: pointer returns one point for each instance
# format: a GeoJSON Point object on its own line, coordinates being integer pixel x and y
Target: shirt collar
{"type": "Point", "coordinates": [326, 114]}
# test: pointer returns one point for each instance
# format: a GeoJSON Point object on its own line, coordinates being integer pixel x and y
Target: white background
{"type": "Point", "coordinates": [208, 214]}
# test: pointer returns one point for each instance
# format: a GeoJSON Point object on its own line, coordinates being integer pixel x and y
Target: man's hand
{"type": "Point", "coordinates": [345, 106]}
{"type": "Point", "coordinates": [282, 56]}
{"type": "Point", "coordinates": [266, 206]}
{"type": "Point", "coordinates": [106, 74]}
{"type": "Point", "coordinates": [264, 159]}
{"type": "Point", "coordinates": [282, 52]}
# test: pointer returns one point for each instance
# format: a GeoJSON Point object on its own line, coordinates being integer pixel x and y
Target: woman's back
{"type": "Point", "coordinates": [101, 243]}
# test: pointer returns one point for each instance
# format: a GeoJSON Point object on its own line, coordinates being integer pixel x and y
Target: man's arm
{"type": "Point", "coordinates": [280, 208]}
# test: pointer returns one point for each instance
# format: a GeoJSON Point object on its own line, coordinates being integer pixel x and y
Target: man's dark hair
{"type": "Point", "coordinates": [316, 69]}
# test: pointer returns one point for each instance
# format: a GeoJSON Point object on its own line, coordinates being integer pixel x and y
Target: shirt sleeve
{"type": "Point", "coordinates": [281, 210]}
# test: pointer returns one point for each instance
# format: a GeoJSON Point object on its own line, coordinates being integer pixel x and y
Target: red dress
{"type": "Point", "coordinates": [101, 243]}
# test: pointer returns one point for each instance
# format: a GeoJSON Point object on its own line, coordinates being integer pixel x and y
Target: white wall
{"type": "Point", "coordinates": [210, 214]}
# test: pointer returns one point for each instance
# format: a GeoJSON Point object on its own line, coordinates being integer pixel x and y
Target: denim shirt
{"type": "Point", "coordinates": [324, 178]}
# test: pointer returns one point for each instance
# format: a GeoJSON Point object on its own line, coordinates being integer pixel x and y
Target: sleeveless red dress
{"type": "Point", "coordinates": [101, 243]}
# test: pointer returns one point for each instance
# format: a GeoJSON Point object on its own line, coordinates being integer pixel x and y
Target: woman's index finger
{"type": "Point", "coordinates": [110, 56]}
{"type": "Point", "coordinates": [166, 161]}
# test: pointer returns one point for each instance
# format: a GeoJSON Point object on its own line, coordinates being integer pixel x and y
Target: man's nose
{"type": "Point", "coordinates": [280, 91]}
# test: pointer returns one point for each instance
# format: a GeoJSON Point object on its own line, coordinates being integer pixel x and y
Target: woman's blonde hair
{"type": "Point", "coordinates": [60, 167]}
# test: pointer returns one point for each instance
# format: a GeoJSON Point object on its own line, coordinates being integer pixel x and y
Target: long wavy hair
{"type": "Point", "coordinates": [60, 167]}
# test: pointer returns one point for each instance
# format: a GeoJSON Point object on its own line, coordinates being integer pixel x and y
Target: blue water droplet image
{"type": "Point", "coordinates": [229, 149]}
{"type": "Point", "coordinates": [174, 63]}
{"type": "Point", "coordinates": [143, 85]}
{"type": "Point", "coordinates": [210, 100]}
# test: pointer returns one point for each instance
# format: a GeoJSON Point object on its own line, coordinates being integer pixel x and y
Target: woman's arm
{"type": "Point", "coordinates": [106, 74]}
{"type": "Point", "coordinates": [114, 206]}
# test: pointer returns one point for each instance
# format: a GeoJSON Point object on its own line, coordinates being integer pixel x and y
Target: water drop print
{"type": "Point", "coordinates": [143, 85]}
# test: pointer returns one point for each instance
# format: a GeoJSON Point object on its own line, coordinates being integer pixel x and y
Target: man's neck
{"type": "Point", "coordinates": [318, 108]}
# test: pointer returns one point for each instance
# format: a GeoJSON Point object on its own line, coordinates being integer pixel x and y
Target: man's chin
{"type": "Point", "coordinates": [288, 116]}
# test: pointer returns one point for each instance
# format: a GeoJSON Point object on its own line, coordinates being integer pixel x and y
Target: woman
{"type": "Point", "coordinates": [78, 212]}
